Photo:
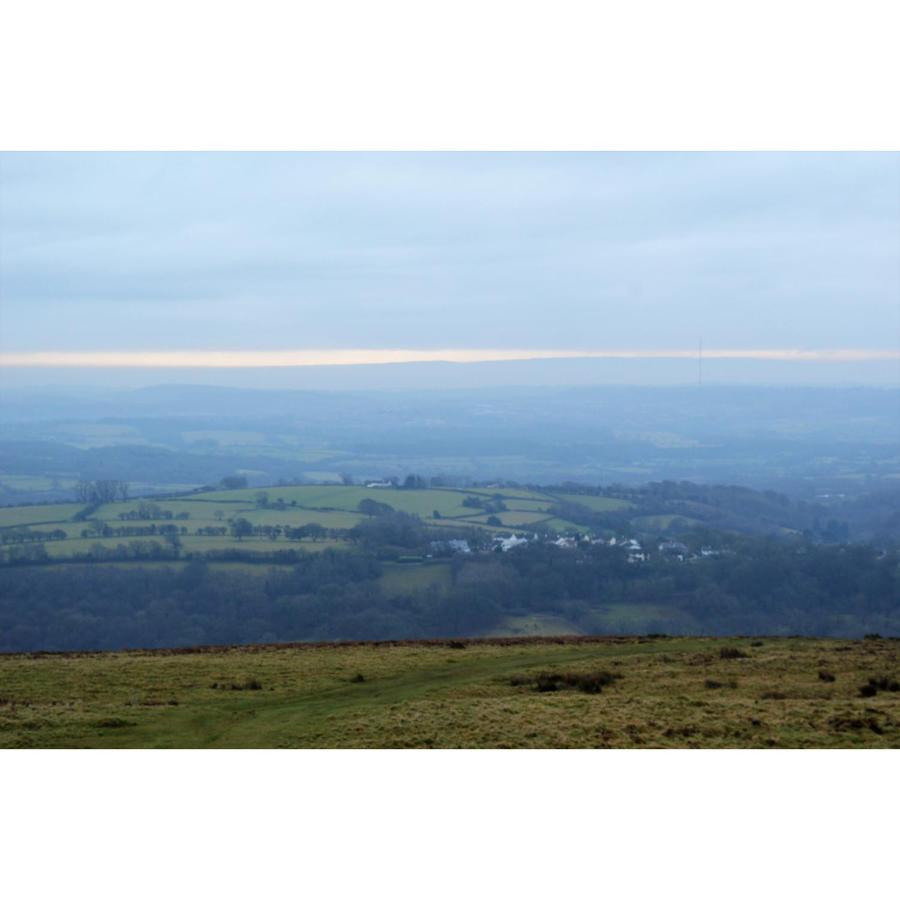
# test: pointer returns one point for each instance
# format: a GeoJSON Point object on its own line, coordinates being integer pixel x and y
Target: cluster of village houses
{"type": "Point", "coordinates": [634, 550]}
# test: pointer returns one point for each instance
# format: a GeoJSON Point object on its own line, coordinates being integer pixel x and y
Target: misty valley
{"type": "Point", "coordinates": [164, 517]}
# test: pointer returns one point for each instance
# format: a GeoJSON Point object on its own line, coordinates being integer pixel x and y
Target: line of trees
{"type": "Point", "coordinates": [105, 490]}
{"type": "Point", "coordinates": [23, 534]}
{"type": "Point", "coordinates": [98, 528]}
{"type": "Point", "coordinates": [241, 528]}
{"type": "Point", "coordinates": [145, 510]}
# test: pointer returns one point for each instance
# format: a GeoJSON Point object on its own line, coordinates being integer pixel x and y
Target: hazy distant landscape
{"type": "Point", "coordinates": [312, 450]}
{"type": "Point", "coordinates": [408, 514]}
{"type": "Point", "coordinates": [812, 442]}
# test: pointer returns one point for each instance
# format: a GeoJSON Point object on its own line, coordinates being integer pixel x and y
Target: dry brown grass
{"type": "Point", "coordinates": [667, 692]}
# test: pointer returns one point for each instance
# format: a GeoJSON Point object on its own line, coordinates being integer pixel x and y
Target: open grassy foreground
{"type": "Point", "coordinates": [532, 692]}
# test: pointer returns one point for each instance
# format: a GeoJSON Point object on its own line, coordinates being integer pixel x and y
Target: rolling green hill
{"type": "Point", "coordinates": [334, 507]}
{"type": "Point", "coordinates": [651, 513]}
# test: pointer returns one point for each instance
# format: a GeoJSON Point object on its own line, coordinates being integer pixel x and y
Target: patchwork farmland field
{"type": "Point", "coordinates": [12, 516]}
{"type": "Point", "coordinates": [543, 692]}
{"type": "Point", "coordinates": [598, 504]}
{"type": "Point", "coordinates": [333, 507]}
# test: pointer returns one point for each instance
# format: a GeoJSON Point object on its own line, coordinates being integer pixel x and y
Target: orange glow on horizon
{"type": "Point", "coordinates": [237, 359]}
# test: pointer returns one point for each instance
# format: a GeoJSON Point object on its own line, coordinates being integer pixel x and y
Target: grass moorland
{"type": "Point", "coordinates": [542, 692]}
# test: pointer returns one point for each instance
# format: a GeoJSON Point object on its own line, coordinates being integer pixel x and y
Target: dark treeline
{"type": "Point", "coordinates": [759, 587]}
{"type": "Point", "coordinates": [868, 517]}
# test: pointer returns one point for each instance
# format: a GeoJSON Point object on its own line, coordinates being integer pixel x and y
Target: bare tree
{"type": "Point", "coordinates": [105, 490]}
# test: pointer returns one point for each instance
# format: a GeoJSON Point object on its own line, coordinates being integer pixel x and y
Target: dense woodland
{"type": "Point", "coordinates": [867, 517]}
{"type": "Point", "coordinates": [757, 586]}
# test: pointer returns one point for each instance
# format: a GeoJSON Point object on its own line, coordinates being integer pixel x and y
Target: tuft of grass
{"type": "Point", "coordinates": [251, 684]}
{"type": "Point", "coordinates": [856, 723]}
{"type": "Point", "coordinates": [586, 682]}
{"type": "Point", "coordinates": [879, 683]}
{"type": "Point", "coordinates": [713, 685]}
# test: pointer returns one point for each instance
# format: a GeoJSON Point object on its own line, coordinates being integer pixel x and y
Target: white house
{"type": "Point", "coordinates": [508, 543]}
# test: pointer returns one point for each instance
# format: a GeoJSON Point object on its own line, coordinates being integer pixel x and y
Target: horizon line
{"type": "Point", "coordinates": [239, 359]}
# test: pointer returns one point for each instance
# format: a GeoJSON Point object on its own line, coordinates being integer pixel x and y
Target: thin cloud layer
{"type": "Point", "coordinates": [251, 253]}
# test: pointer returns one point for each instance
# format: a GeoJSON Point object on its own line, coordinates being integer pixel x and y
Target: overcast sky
{"type": "Point", "coordinates": [256, 252]}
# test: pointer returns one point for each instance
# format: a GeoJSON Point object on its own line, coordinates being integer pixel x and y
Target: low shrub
{"type": "Point", "coordinates": [732, 653]}
{"type": "Point", "coordinates": [683, 731]}
{"type": "Point", "coordinates": [713, 685]}
{"type": "Point", "coordinates": [855, 723]}
{"type": "Point", "coordinates": [826, 676]}
{"type": "Point", "coordinates": [879, 683]}
{"type": "Point", "coordinates": [586, 682]}
{"type": "Point", "coordinates": [546, 683]}
{"type": "Point", "coordinates": [251, 684]}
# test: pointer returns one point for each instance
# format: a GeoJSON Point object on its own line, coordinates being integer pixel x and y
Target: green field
{"type": "Point", "coordinates": [196, 509]}
{"type": "Point", "coordinates": [509, 493]}
{"type": "Point", "coordinates": [563, 525]}
{"type": "Point", "coordinates": [534, 625]}
{"type": "Point", "coordinates": [332, 506]}
{"type": "Point", "coordinates": [641, 617]}
{"type": "Point", "coordinates": [670, 692]}
{"type": "Point", "coordinates": [399, 578]}
{"type": "Point", "coordinates": [597, 504]}
{"type": "Point", "coordinates": [529, 505]}
{"type": "Point", "coordinates": [295, 516]}
{"type": "Point", "coordinates": [11, 516]}
{"type": "Point", "coordinates": [226, 438]}
{"type": "Point", "coordinates": [513, 518]}
{"type": "Point", "coordinates": [247, 568]}
{"type": "Point", "coordinates": [347, 498]}
{"type": "Point", "coordinates": [36, 482]}
{"type": "Point", "coordinates": [191, 543]}
{"type": "Point", "coordinates": [86, 435]}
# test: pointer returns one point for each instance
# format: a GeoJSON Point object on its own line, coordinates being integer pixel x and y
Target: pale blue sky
{"type": "Point", "coordinates": [255, 252]}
